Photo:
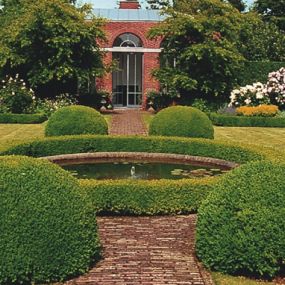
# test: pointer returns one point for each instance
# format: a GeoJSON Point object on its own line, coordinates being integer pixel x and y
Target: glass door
{"type": "Point", "coordinates": [127, 80]}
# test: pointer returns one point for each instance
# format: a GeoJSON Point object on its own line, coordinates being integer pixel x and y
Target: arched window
{"type": "Point", "coordinates": [127, 40]}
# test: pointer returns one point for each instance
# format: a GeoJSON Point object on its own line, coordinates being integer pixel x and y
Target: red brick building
{"type": "Point", "coordinates": [126, 29]}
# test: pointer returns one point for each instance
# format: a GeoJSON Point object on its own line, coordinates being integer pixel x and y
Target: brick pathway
{"type": "Point", "coordinates": [146, 251]}
{"type": "Point", "coordinates": [127, 122]}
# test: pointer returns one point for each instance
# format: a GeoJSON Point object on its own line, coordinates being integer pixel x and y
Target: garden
{"type": "Point", "coordinates": [220, 109]}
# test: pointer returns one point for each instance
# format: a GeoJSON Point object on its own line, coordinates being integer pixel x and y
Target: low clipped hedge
{"type": "Point", "coordinates": [181, 121]}
{"type": "Point", "coordinates": [9, 118]}
{"type": "Point", "coordinates": [76, 120]}
{"type": "Point", "coordinates": [241, 225]}
{"type": "Point", "coordinates": [47, 228]}
{"type": "Point", "coordinates": [243, 121]}
{"type": "Point", "coordinates": [82, 144]}
{"type": "Point", "coordinates": [139, 197]}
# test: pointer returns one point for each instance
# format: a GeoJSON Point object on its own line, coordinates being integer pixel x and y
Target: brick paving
{"type": "Point", "coordinates": [147, 251]}
{"type": "Point", "coordinates": [127, 122]}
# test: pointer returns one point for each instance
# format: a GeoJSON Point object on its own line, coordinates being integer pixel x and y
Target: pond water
{"type": "Point", "coordinates": [145, 170]}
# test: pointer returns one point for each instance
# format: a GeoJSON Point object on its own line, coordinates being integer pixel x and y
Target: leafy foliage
{"type": "Point", "coordinates": [200, 36]}
{"type": "Point", "coordinates": [76, 120]}
{"type": "Point", "coordinates": [8, 118]}
{"type": "Point", "coordinates": [47, 228]}
{"type": "Point", "coordinates": [15, 97]}
{"type": "Point", "coordinates": [182, 121]}
{"type": "Point", "coordinates": [49, 42]}
{"type": "Point", "coordinates": [241, 226]}
{"type": "Point", "coordinates": [272, 10]}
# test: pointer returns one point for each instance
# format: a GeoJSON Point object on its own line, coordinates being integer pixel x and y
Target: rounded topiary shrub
{"type": "Point", "coordinates": [182, 121]}
{"type": "Point", "coordinates": [47, 229]}
{"type": "Point", "coordinates": [241, 224]}
{"type": "Point", "coordinates": [76, 120]}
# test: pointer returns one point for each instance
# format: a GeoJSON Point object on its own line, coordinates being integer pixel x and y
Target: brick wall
{"type": "Point", "coordinates": [150, 60]}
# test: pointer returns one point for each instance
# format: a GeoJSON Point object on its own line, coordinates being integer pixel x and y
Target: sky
{"type": "Point", "coordinates": [113, 3]}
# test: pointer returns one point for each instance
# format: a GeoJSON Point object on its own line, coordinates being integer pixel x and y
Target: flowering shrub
{"type": "Point", "coordinates": [276, 86]}
{"type": "Point", "coordinates": [250, 95]}
{"type": "Point", "coordinates": [49, 106]}
{"type": "Point", "coordinates": [261, 110]}
{"type": "Point", "coordinates": [15, 97]}
{"type": "Point", "coordinates": [273, 92]}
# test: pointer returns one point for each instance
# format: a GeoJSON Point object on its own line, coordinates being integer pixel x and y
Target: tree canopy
{"type": "Point", "coordinates": [200, 36]}
{"type": "Point", "coordinates": [49, 41]}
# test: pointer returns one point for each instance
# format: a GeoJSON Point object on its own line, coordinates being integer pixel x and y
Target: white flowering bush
{"type": "Point", "coordinates": [250, 95]}
{"type": "Point", "coordinates": [276, 87]}
{"type": "Point", "coordinates": [15, 97]}
{"type": "Point", "coordinates": [49, 106]}
{"type": "Point", "coordinates": [271, 93]}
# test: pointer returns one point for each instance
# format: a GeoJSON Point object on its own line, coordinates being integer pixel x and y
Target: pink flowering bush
{"type": "Point", "coordinates": [276, 87]}
{"type": "Point", "coordinates": [15, 97]}
{"type": "Point", "coordinates": [271, 93]}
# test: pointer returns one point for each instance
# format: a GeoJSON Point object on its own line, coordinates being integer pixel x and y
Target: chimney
{"type": "Point", "coordinates": [129, 4]}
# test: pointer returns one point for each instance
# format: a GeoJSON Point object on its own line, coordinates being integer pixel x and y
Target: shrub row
{"type": "Point", "coordinates": [8, 118]}
{"type": "Point", "coordinates": [257, 71]}
{"type": "Point", "coordinates": [241, 225]}
{"type": "Point", "coordinates": [243, 121]}
{"type": "Point", "coordinates": [96, 143]}
{"type": "Point", "coordinates": [47, 227]}
{"type": "Point", "coordinates": [139, 197]}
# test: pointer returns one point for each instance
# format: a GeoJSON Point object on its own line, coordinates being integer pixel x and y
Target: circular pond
{"type": "Point", "coordinates": [125, 165]}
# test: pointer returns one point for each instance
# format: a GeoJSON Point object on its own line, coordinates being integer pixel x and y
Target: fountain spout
{"type": "Point", "coordinates": [133, 171]}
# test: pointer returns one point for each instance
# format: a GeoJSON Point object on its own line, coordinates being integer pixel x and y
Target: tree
{"type": "Point", "coordinates": [158, 4]}
{"type": "Point", "coordinates": [272, 10]}
{"type": "Point", "coordinates": [49, 42]}
{"type": "Point", "coordinates": [200, 35]}
{"type": "Point", "coordinates": [238, 4]}
{"type": "Point", "coordinates": [259, 40]}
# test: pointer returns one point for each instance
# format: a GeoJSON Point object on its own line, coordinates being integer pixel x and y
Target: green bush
{"type": "Point", "coordinates": [76, 120]}
{"type": "Point", "coordinates": [80, 144]}
{"type": "Point", "coordinates": [182, 121]}
{"type": "Point", "coordinates": [47, 228]}
{"type": "Point", "coordinates": [241, 225]}
{"type": "Point", "coordinates": [257, 71]}
{"type": "Point", "coordinates": [140, 197]}
{"type": "Point", "coordinates": [9, 118]}
{"type": "Point", "coordinates": [243, 121]}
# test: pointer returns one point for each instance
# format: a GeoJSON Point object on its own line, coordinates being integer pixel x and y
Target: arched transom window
{"type": "Point", "coordinates": [127, 40]}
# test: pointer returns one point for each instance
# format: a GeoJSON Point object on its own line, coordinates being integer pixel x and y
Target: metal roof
{"type": "Point", "coordinates": [129, 14]}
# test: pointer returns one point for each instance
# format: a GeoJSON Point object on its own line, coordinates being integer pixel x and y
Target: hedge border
{"type": "Point", "coordinates": [154, 197]}
{"type": "Point", "coordinates": [243, 121]}
{"type": "Point", "coordinates": [7, 118]}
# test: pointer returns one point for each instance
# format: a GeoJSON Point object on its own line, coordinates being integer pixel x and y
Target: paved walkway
{"type": "Point", "coordinates": [146, 251]}
{"type": "Point", "coordinates": [127, 122]}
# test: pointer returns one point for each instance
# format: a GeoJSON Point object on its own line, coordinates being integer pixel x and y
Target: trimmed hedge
{"type": "Point", "coordinates": [241, 225]}
{"type": "Point", "coordinates": [47, 228]}
{"type": "Point", "coordinates": [140, 197]}
{"type": "Point", "coordinates": [76, 120]}
{"type": "Point", "coordinates": [243, 121]}
{"type": "Point", "coordinates": [257, 71]}
{"type": "Point", "coordinates": [8, 118]}
{"type": "Point", "coordinates": [81, 144]}
{"type": "Point", "coordinates": [181, 121]}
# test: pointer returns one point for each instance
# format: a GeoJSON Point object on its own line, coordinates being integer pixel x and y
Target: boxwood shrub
{"type": "Point", "coordinates": [76, 120]}
{"type": "Point", "coordinates": [182, 121]}
{"type": "Point", "coordinates": [47, 228]}
{"type": "Point", "coordinates": [140, 197]}
{"type": "Point", "coordinates": [9, 118]}
{"type": "Point", "coordinates": [243, 121]}
{"type": "Point", "coordinates": [241, 225]}
{"type": "Point", "coordinates": [81, 144]}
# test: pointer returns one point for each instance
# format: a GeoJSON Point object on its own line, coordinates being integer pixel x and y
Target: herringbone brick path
{"type": "Point", "coordinates": [146, 251]}
{"type": "Point", "coordinates": [127, 122]}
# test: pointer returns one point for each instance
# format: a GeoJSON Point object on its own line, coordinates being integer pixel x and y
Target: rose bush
{"type": "Point", "coordinates": [273, 92]}
{"type": "Point", "coordinates": [15, 96]}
